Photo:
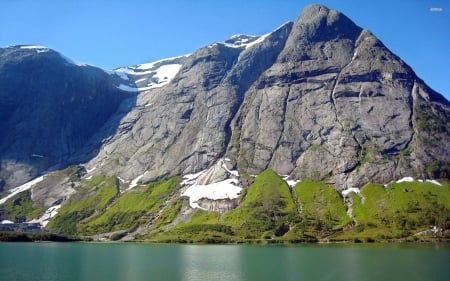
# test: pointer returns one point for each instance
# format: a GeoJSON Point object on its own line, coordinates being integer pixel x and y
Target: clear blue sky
{"type": "Point", "coordinates": [110, 34]}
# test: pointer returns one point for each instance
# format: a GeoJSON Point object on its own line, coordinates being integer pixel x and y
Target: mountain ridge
{"type": "Point", "coordinates": [317, 99]}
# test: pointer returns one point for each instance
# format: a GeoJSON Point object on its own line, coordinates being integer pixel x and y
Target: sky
{"type": "Point", "coordinates": [111, 34]}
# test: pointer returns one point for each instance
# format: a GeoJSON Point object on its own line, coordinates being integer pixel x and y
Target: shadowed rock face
{"type": "Point", "coordinates": [49, 108]}
{"type": "Point", "coordinates": [319, 98]}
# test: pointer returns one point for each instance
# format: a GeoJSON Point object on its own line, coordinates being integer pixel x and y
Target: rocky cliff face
{"type": "Point", "coordinates": [320, 98]}
{"type": "Point", "coordinates": [49, 109]}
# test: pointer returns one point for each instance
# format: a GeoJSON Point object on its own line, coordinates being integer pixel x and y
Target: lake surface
{"type": "Point", "coordinates": [135, 262]}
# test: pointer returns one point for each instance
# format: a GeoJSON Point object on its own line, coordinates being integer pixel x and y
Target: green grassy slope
{"type": "Point", "coordinates": [322, 208]}
{"type": "Point", "coordinates": [20, 208]}
{"type": "Point", "coordinates": [131, 209]}
{"type": "Point", "coordinates": [92, 197]}
{"type": "Point", "coordinates": [269, 211]}
{"type": "Point", "coordinates": [400, 209]}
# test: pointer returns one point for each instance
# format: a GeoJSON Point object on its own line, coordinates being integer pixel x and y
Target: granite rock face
{"type": "Point", "coordinates": [49, 109]}
{"type": "Point", "coordinates": [320, 98]}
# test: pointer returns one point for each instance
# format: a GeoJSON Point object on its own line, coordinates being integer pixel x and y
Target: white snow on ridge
{"type": "Point", "coordinates": [150, 65]}
{"type": "Point", "coordinates": [122, 73]}
{"type": "Point", "coordinates": [21, 188]}
{"type": "Point", "coordinates": [220, 190]}
{"type": "Point", "coordinates": [245, 42]}
{"type": "Point", "coordinates": [163, 75]}
{"type": "Point", "coordinates": [167, 72]}
{"type": "Point", "coordinates": [38, 49]}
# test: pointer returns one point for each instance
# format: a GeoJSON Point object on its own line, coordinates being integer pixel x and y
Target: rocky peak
{"type": "Point", "coordinates": [320, 98]}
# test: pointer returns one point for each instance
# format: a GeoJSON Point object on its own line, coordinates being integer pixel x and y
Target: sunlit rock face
{"type": "Point", "coordinates": [320, 98]}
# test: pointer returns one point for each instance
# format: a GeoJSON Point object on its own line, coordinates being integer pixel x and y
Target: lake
{"type": "Point", "coordinates": [135, 262]}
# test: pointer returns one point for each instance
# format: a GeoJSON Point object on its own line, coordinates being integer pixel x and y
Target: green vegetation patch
{"type": "Point", "coordinates": [92, 197]}
{"type": "Point", "coordinates": [169, 214]}
{"type": "Point", "coordinates": [322, 208]}
{"type": "Point", "coordinates": [267, 207]}
{"type": "Point", "coordinates": [20, 208]}
{"type": "Point", "coordinates": [401, 209]}
{"type": "Point", "coordinates": [131, 209]}
{"type": "Point", "coordinates": [204, 227]}
{"type": "Point", "coordinates": [34, 237]}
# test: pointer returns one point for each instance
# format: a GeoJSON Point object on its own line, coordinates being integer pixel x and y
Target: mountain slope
{"type": "Point", "coordinates": [308, 100]}
{"type": "Point", "coordinates": [49, 109]}
{"type": "Point", "coordinates": [321, 101]}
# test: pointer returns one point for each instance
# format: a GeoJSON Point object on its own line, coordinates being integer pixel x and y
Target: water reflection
{"type": "Point", "coordinates": [144, 262]}
{"type": "Point", "coordinates": [203, 262]}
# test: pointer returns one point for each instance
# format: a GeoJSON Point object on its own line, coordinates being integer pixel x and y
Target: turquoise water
{"type": "Point", "coordinates": [135, 262]}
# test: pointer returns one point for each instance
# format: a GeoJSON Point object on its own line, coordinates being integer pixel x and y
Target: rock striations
{"type": "Point", "coordinates": [319, 99]}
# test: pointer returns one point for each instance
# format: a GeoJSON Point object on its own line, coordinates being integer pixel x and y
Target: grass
{"type": "Point", "coordinates": [131, 209]}
{"type": "Point", "coordinates": [20, 208]}
{"type": "Point", "coordinates": [93, 196]}
{"type": "Point", "coordinates": [204, 227]}
{"type": "Point", "coordinates": [323, 210]}
{"type": "Point", "coordinates": [269, 212]}
{"type": "Point", "coordinates": [169, 213]}
{"type": "Point", "coordinates": [399, 210]}
{"type": "Point", "coordinates": [267, 207]}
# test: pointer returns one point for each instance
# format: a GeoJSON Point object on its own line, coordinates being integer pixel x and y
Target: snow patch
{"type": "Point", "coordinates": [21, 188]}
{"type": "Point", "coordinates": [411, 179]}
{"type": "Point", "coordinates": [45, 218]}
{"type": "Point", "coordinates": [127, 88]}
{"type": "Point", "coordinates": [434, 182]}
{"type": "Point", "coordinates": [121, 73]}
{"type": "Point", "coordinates": [246, 42]}
{"type": "Point", "coordinates": [140, 80]}
{"type": "Point", "coordinates": [150, 65]}
{"type": "Point", "coordinates": [134, 182]}
{"type": "Point", "coordinates": [37, 155]}
{"type": "Point", "coordinates": [232, 172]}
{"type": "Point", "coordinates": [121, 180]}
{"type": "Point", "coordinates": [160, 77]}
{"type": "Point", "coordinates": [90, 170]}
{"type": "Point", "coordinates": [405, 179]}
{"type": "Point", "coordinates": [216, 191]}
{"type": "Point", "coordinates": [291, 183]}
{"type": "Point", "coordinates": [346, 192]}
{"type": "Point", "coordinates": [166, 73]}
{"type": "Point", "coordinates": [190, 178]}
{"type": "Point", "coordinates": [355, 54]}
{"type": "Point", "coordinates": [38, 49]}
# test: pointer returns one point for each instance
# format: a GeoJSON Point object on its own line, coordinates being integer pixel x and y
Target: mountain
{"type": "Point", "coordinates": [315, 99]}
{"type": "Point", "coordinates": [49, 109]}
{"type": "Point", "coordinates": [243, 128]}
